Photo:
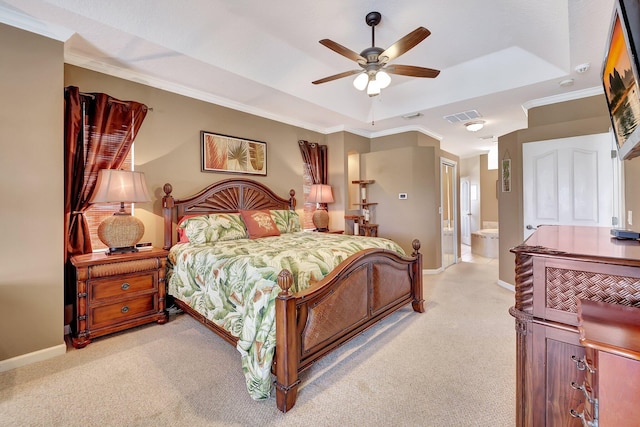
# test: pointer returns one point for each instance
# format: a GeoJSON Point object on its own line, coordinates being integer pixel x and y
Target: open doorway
{"type": "Point", "coordinates": [448, 212]}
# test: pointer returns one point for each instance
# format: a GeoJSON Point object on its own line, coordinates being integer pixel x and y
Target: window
{"type": "Point", "coordinates": [98, 212]}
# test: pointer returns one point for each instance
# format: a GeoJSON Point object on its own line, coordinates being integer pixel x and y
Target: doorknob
{"type": "Point", "coordinates": [531, 227]}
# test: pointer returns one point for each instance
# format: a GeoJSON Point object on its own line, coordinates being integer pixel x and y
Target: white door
{"type": "Point", "coordinates": [465, 212]}
{"type": "Point", "coordinates": [568, 181]}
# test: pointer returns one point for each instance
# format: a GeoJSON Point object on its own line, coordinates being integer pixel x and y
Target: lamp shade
{"type": "Point", "coordinates": [361, 81]}
{"type": "Point", "coordinates": [373, 88]}
{"type": "Point", "coordinates": [320, 193]}
{"type": "Point", "coordinates": [383, 79]}
{"type": "Point", "coordinates": [121, 231]}
{"type": "Point", "coordinates": [118, 186]}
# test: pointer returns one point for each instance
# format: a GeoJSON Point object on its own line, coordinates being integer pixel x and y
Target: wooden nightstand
{"type": "Point", "coordinates": [117, 292]}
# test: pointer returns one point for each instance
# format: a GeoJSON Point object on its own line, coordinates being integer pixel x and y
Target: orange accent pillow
{"type": "Point", "coordinates": [259, 224]}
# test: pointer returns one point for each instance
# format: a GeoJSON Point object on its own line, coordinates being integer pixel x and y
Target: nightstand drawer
{"type": "Point", "coordinates": [116, 292]}
{"type": "Point", "coordinates": [120, 287]}
{"type": "Point", "coordinates": [110, 314]}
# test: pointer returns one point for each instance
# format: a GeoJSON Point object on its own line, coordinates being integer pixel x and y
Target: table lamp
{"type": "Point", "coordinates": [321, 195]}
{"type": "Point", "coordinates": [121, 231]}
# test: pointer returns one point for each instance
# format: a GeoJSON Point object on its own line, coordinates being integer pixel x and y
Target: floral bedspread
{"type": "Point", "coordinates": [234, 284]}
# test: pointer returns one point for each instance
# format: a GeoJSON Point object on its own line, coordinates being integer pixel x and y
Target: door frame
{"type": "Point", "coordinates": [454, 165]}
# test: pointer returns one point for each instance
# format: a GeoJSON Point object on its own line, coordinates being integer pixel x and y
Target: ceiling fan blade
{"type": "Point", "coordinates": [346, 52]}
{"type": "Point", "coordinates": [404, 44]}
{"type": "Point", "coordinates": [337, 76]}
{"type": "Point", "coordinates": [410, 70]}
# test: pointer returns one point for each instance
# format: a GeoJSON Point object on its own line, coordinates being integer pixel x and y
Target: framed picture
{"type": "Point", "coordinates": [620, 77]}
{"type": "Point", "coordinates": [224, 153]}
{"type": "Point", "coordinates": [506, 175]}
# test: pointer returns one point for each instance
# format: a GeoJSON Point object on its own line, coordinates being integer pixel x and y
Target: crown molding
{"type": "Point", "coordinates": [102, 67]}
{"type": "Point", "coordinates": [411, 128]}
{"type": "Point", "coordinates": [569, 96]}
{"type": "Point", "coordinates": [82, 61]}
{"type": "Point", "coordinates": [27, 23]}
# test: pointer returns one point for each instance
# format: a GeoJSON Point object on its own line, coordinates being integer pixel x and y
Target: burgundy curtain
{"type": "Point", "coordinates": [98, 134]}
{"type": "Point", "coordinates": [314, 161]}
{"type": "Point", "coordinates": [314, 158]}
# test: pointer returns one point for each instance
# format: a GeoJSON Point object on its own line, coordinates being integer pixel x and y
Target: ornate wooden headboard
{"type": "Point", "coordinates": [230, 195]}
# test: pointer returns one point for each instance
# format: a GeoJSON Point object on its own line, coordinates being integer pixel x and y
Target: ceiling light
{"type": "Point", "coordinates": [475, 126]}
{"type": "Point", "coordinates": [361, 81]}
{"type": "Point", "coordinates": [383, 79]}
{"type": "Point", "coordinates": [373, 81]}
{"type": "Point", "coordinates": [373, 88]}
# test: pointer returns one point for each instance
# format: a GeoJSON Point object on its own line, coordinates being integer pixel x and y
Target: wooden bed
{"type": "Point", "coordinates": [361, 291]}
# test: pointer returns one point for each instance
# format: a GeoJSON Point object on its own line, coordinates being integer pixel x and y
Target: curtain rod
{"type": "Point", "coordinates": [112, 100]}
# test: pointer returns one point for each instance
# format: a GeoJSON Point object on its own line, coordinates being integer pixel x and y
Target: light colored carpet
{"type": "Point", "coordinates": [453, 365]}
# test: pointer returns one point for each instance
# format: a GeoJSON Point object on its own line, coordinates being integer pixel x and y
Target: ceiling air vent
{"type": "Point", "coordinates": [462, 117]}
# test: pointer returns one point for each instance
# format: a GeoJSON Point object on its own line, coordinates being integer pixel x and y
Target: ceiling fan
{"type": "Point", "coordinates": [375, 71]}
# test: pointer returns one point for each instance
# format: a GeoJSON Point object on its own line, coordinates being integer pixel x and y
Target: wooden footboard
{"type": "Point", "coordinates": [363, 290]}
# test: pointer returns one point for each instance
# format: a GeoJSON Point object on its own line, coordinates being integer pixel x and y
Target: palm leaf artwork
{"type": "Point", "coordinates": [256, 156]}
{"type": "Point", "coordinates": [236, 155]}
{"type": "Point", "coordinates": [216, 157]}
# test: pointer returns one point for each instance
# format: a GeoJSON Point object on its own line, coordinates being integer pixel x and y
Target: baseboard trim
{"type": "Point", "coordinates": [29, 358]}
{"type": "Point", "coordinates": [432, 271]}
{"type": "Point", "coordinates": [506, 285]}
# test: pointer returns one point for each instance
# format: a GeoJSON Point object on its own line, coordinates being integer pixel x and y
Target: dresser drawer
{"type": "Point", "coordinates": [560, 283]}
{"type": "Point", "coordinates": [121, 286]}
{"type": "Point", "coordinates": [111, 314]}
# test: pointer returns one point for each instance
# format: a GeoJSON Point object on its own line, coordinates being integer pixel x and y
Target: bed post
{"type": "Point", "coordinates": [287, 345]}
{"type": "Point", "coordinates": [418, 301]}
{"type": "Point", "coordinates": [167, 213]}
{"type": "Point", "coordinates": [292, 199]}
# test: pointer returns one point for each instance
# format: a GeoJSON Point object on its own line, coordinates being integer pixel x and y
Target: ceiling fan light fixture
{"type": "Point", "coordinates": [383, 79]}
{"type": "Point", "coordinates": [474, 126]}
{"type": "Point", "coordinates": [373, 88]}
{"type": "Point", "coordinates": [361, 81]}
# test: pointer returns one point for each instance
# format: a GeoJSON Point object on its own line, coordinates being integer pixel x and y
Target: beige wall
{"type": "Point", "coordinates": [167, 148]}
{"type": "Point", "coordinates": [415, 171]}
{"type": "Point", "coordinates": [31, 171]}
{"type": "Point", "coordinates": [488, 195]}
{"type": "Point", "coordinates": [408, 163]}
{"type": "Point", "coordinates": [572, 118]}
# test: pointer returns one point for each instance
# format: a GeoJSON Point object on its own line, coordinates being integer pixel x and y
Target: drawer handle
{"type": "Point", "coordinates": [125, 286]}
{"type": "Point", "coordinates": [582, 364]}
{"type": "Point", "coordinates": [582, 388]}
{"type": "Point", "coordinates": [124, 309]}
{"type": "Point", "coordinates": [585, 423]}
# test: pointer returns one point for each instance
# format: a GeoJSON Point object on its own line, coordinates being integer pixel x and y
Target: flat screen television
{"type": "Point", "coordinates": [620, 77]}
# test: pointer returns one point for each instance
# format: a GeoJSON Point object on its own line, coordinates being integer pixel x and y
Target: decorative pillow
{"type": "Point", "coordinates": [286, 220]}
{"type": "Point", "coordinates": [213, 228]}
{"type": "Point", "coordinates": [182, 237]}
{"type": "Point", "coordinates": [259, 224]}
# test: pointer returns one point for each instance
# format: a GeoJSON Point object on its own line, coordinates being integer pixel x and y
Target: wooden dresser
{"type": "Point", "coordinates": [117, 292]}
{"type": "Point", "coordinates": [610, 334]}
{"type": "Point", "coordinates": [555, 268]}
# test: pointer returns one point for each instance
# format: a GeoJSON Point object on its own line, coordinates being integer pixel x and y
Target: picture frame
{"type": "Point", "coordinates": [620, 77]}
{"type": "Point", "coordinates": [506, 175]}
{"type": "Point", "coordinates": [230, 154]}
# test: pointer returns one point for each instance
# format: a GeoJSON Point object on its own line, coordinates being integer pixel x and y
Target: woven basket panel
{"type": "Point", "coordinates": [123, 267]}
{"type": "Point", "coordinates": [566, 287]}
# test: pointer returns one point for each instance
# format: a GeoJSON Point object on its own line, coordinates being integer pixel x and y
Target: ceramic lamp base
{"type": "Point", "coordinates": [321, 220]}
{"type": "Point", "coordinates": [120, 233]}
